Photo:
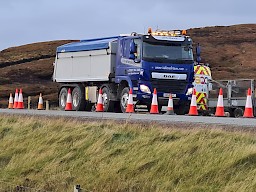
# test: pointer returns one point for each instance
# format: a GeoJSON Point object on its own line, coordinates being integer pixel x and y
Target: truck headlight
{"type": "Point", "coordinates": [190, 91]}
{"type": "Point", "coordinates": [145, 89]}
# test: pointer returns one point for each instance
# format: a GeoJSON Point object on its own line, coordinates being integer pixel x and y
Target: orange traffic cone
{"type": "Point", "coordinates": [16, 99]}
{"type": "Point", "coordinates": [40, 105]}
{"type": "Point", "coordinates": [220, 107]}
{"type": "Point", "coordinates": [130, 107]}
{"type": "Point", "coordinates": [193, 106]}
{"type": "Point", "coordinates": [170, 106]}
{"type": "Point", "coordinates": [20, 101]}
{"type": "Point", "coordinates": [99, 107]}
{"type": "Point", "coordinates": [10, 105]}
{"type": "Point", "coordinates": [248, 112]}
{"type": "Point", "coordinates": [154, 104]}
{"type": "Point", "coordinates": [69, 101]}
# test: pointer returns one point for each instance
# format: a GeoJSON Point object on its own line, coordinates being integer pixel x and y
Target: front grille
{"type": "Point", "coordinates": [169, 85]}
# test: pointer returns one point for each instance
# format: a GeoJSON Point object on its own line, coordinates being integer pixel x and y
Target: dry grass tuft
{"type": "Point", "coordinates": [56, 154]}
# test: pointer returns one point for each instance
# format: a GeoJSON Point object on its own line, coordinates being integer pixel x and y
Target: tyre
{"type": "Point", "coordinates": [93, 108]}
{"type": "Point", "coordinates": [63, 98]}
{"type": "Point", "coordinates": [78, 98]}
{"type": "Point", "coordinates": [124, 99]}
{"type": "Point", "coordinates": [238, 112]}
{"type": "Point", "coordinates": [108, 105]}
{"type": "Point", "coordinates": [182, 109]}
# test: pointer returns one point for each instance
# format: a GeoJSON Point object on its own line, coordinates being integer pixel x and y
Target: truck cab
{"type": "Point", "coordinates": [161, 60]}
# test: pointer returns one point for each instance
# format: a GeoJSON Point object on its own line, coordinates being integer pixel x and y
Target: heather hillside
{"type": "Point", "coordinates": [228, 49]}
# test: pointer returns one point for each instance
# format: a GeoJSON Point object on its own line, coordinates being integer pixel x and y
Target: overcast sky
{"type": "Point", "coordinates": [29, 21]}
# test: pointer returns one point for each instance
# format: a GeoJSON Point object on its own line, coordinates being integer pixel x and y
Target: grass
{"type": "Point", "coordinates": [55, 154]}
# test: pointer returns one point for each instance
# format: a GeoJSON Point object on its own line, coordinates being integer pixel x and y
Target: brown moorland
{"type": "Point", "coordinates": [230, 51]}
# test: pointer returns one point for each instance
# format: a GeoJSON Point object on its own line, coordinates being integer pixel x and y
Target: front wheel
{"type": "Point", "coordinates": [63, 98]}
{"type": "Point", "coordinates": [124, 99]}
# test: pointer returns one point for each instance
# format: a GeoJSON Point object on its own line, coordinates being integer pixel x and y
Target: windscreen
{"type": "Point", "coordinates": [171, 52]}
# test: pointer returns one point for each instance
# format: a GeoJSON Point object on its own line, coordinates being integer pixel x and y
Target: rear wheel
{"type": "Point", "coordinates": [63, 98]}
{"type": "Point", "coordinates": [78, 98]}
{"type": "Point", "coordinates": [108, 105]}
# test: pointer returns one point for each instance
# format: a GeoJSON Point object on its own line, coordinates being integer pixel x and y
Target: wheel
{"type": "Point", "coordinates": [182, 109]}
{"type": "Point", "coordinates": [63, 98]}
{"type": "Point", "coordinates": [78, 98]}
{"type": "Point", "coordinates": [93, 108]}
{"type": "Point", "coordinates": [124, 99]}
{"type": "Point", "coordinates": [108, 105]}
{"type": "Point", "coordinates": [238, 112]}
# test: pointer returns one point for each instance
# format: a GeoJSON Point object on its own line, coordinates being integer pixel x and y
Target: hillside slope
{"type": "Point", "coordinates": [229, 51]}
{"type": "Point", "coordinates": [29, 67]}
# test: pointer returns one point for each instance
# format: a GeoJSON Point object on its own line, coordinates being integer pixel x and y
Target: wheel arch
{"type": "Point", "coordinates": [81, 102]}
{"type": "Point", "coordinates": [70, 85]}
{"type": "Point", "coordinates": [113, 90]}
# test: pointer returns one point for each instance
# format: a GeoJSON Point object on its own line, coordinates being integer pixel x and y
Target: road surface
{"type": "Point", "coordinates": [136, 117]}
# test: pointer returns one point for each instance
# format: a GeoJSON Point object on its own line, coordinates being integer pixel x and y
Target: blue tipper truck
{"type": "Point", "coordinates": [142, 62]}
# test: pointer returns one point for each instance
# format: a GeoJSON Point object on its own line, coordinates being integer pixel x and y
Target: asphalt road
{"type": "Point", "coordinates": [159, 118]}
